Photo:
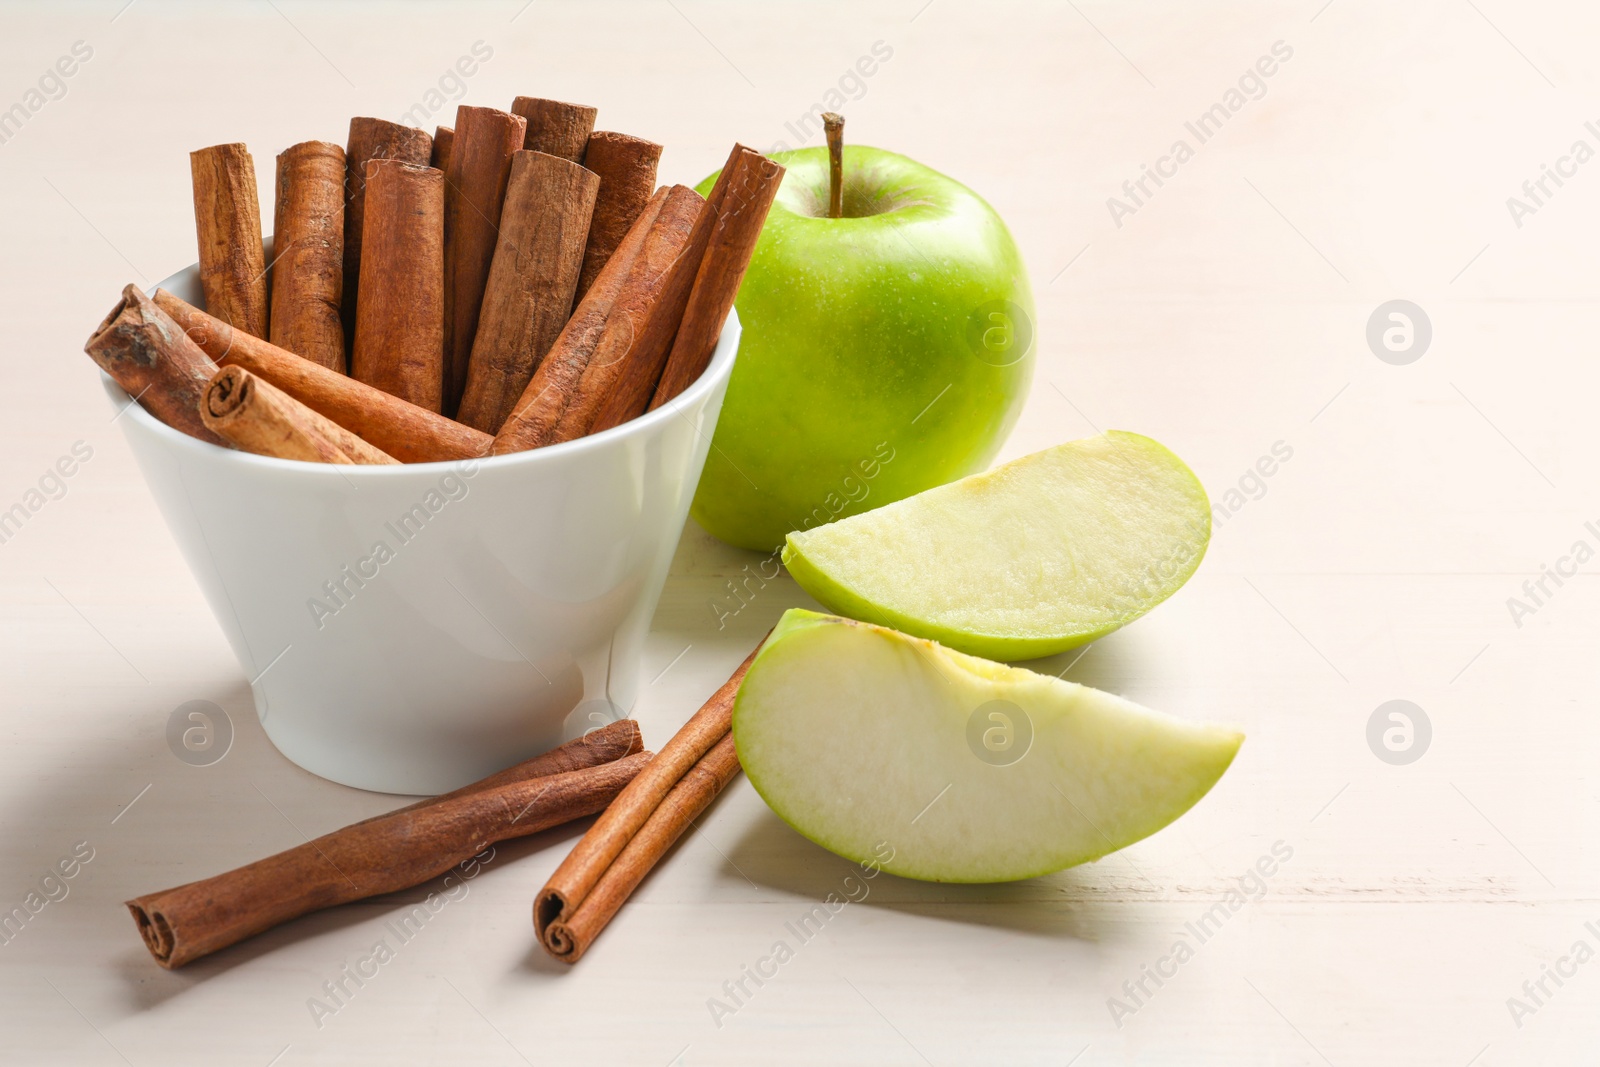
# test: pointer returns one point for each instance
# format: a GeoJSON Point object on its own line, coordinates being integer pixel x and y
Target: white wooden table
{"type": "Point", "coordinates": [1225, 314]}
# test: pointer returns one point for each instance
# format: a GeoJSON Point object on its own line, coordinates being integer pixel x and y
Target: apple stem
{"type": "Point", "coordinates": [833, 124]}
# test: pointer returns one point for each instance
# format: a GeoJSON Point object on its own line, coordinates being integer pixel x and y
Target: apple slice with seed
{"type": "Point", "coordinates": [1032, 558]}
{"type": "Point", "coordinates": [897, 752]}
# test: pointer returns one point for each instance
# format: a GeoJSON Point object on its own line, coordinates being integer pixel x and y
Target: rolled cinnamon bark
{"type": "Point", "coordinates": [538, 410]}
{"type": "Point", "coordinates": [399, 340]}
{"type": "Point", "coordinates": [630, 395]}
{"type": "Point", "coordinates": [308, 253]}
{"type": "Point", "coordinates": [554, 127]}
{"type": "Point", "coordinates": [603, 744]}
{"type": "Point", "coordinates": [405, 431]}
{"type": "Point", "coordinates": [475, 187]}
{"type": "Point", "coordinates": [227, 222]}
{"type": "Point", "coordinates": [627, 169]}
{"type": "Point", "coordinates": [740, 215]}
{"type": "Point", "coordinates": [148, 354]}
{"type": "Point", "coordinates": [380, 855]}
{"type": "Point", "coordinates": [628, 840]}
{"type": "Point", "coordinates": [370, 139]}
{"type": "Point", "coordinates": [643, 319]}
{"type": "Point", "coordinates": [256, 416]}
{"type": "Point", "coordinates": [444, 138]}
{"type": "Point", "coordinates": [528, 298]}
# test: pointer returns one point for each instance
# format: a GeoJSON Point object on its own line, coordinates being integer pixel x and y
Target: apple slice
{"type": "Point", "coordinates": [897, 752]}
{"type": "Point", "coordinates": [1035, 557]}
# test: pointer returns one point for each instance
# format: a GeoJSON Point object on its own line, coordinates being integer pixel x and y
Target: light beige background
{"type": "Point", "coordinates": [1226, 315]}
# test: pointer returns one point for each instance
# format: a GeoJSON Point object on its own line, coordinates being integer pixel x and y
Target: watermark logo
{"type": "Point", "coordinates": [597, 714]}
{"type": "Point", "coordinates": [1537, 191]}
{"type": "Point", "coordinates": [451, 86]}
{"type": "Point", "coordinates": [340, 591]}
{"type": "Point", "coordinates": [740, 990]}
{"type": "Point", "coordinates": [1248, 888]}
{"type": "Point", "coordinates": [1399, 332]}
{"type": "Point", "coordinates": [999, 332]}
{"type": "Point", "coordinates": [1251, 86]}
{"type": "Point", "coordinates": [1536, 992]}
{"type": "Point", "coordinates": [850, 85]}
{"type": "Point", "coordinates": [51, 888]}
{"type": "Point", "coordinates": [199, 733]}
{"type": "Point", "coordinates": [999, 732]}
{"type": "Point", "coordinates": [1398, 732]}
{"type": "Point", "coordinates": [51, 486]}
{"type": "Point", "coordinates": [1538, 591]}
{"type": "Point", "coordinates": [51, 85]}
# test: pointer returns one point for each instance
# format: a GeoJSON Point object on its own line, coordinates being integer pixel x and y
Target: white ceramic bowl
{"type": "Point", "coordinates": [411, 629]}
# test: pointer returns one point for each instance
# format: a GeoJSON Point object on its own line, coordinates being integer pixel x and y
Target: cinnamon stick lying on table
{"type": "Point", "coordinates": [408, 433]}
{"type": "Point", "coordinates": [379, 855]}
{"type": "Point", "coordinates": [627, 169]}
{"type": "Point", "coordinates": [399, 338]}
{"type": "Point", "coordinates": [740, 215]}
{"type": "Point", "coordinates": [533, 422]}
{"type": "Point", "coordinates": [370, 139]}
{"type": "Point", "coordinates": [256, 416]}
{"type": "Point", "coordinates": [528, 298]}
{"type": "Point", "coordinates": [148, 354]}
{"type": "Point", "coordinates": [227, 222]}
{"type": "Point", "coordinates": [475, 188]}
{"type": "Point", "coordinates": [554, 127]}
{"type": "Point", "coordinates": [640, 825]}
{"type": "Point", "coordinates": [308, 253]}
{"type": "Point", "coordinates": [603, 744]}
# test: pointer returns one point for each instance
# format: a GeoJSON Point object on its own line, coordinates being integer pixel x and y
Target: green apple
{"type": "Point", "coordinates": [1030, 559]}
{"type": "Point", "coordinates": [883, 352]}
{"type": "Point", "coordinates": [899, 753]}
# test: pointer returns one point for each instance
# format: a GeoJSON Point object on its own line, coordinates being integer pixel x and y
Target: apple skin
{"type": "Point", "coordinates": [882, 354]}
{"type": "Point", "coordinates": [853, 732]}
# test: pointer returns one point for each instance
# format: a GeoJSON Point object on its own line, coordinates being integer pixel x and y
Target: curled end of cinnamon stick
{"type": "Point", "coordinates": [155, 930]}
{"type": "Point", "coordinates": [130, 295]}
{"type": "Point", "coordinates": [548, 910]}
{"type": "Point", "coordinates": [228, 391]}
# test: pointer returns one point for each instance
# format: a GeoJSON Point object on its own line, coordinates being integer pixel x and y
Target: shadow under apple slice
{"type": "Point", "coordinates": [1075, 904]}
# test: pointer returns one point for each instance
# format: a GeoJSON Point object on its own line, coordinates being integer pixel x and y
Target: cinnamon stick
{"type": "Point", "coordinates": [628, 840]}
{"type": "Point", "coordinates": [629, 396]}
{"type": "Point", "coordinates": [308, 253]}
{"type": "Point", "coordinates": [381, 855]}
{"type": "Point", "coordinates": [554, 127]}
{"type": "Point", "coordinates": [627, 169]}
{"type": "Point", "coordinates": [444, 138]}
{"type": "Point", "coordinates": [148, 354]}
{"type": "Point", "coordinates": [475, 187]}
{"type": "Point", "coordinates": [399, 338]}
{"type": "Point", "coordinates": [740, 216]}
{"type": "Point", "coordinates": [370, 139]}
{"type": "Point", "coordinates": [618, 379]}
{"type": "Point", "coordinates": [532, 422]}
{"type": "Point", "coordinates": [407, 432]}
{"type": "Point", "coordinates": [603, 744]}
{"type": "Point", "coordinates": [256, 416]}
{"type": "Point", "coordinates": [227, 222]}
{"type": "Point", "coordinates": [528, 298]}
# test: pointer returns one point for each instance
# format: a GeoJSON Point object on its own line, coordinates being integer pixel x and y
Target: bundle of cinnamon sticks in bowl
{"type": "Point", "coordinates": [429, 447]}
{"type": "Point", "coordinates": [513, 282]}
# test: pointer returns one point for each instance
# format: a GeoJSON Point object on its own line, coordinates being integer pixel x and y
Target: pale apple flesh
{"type": "Point", "coordinates": [863, 740]}
{"type": "Point", "coordinates": [1032, 558]}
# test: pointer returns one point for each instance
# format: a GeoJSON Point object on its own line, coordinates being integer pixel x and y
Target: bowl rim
{"type": "Point", "coordinates": [719, 368]}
